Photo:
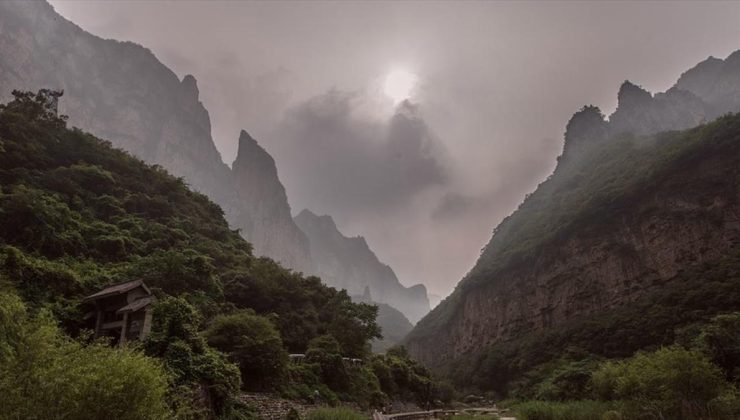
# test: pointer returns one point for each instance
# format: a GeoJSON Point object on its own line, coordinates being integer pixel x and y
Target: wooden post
{"type": "Point", "coordinates": [147, 327]}
{"type": "Point", "coordinates": [124, 330]}
{"type": "Point", "coordinates": [98, 318]}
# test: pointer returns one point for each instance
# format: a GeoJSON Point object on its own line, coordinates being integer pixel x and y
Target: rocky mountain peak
{"type": "Point", "coordinates": [190, 86]}
{"type": "Point", "coordinates": [587, 126]}
{"type": "Point", "coordinates": [255, 167]}
{"type": "Point", "coordinates": [324, 222]}
{"type": "Point", "coordinates": [260, 207]}
{"type": "Point", "coordinates": [716, 82]}
{"type": "Point", "coordinates": [631, 95]}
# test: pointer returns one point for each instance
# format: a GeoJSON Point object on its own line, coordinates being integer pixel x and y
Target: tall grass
{"type": "Point", "coordinates": [339, 413]}
{"type": "Point", "coordinates": [573, 410]}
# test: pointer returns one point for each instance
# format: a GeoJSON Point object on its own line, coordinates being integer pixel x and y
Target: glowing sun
{"type": "Point", "coordinates": [399, 85]}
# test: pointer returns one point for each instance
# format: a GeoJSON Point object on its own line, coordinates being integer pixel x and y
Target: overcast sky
{"type": "Point", "coordinates": [425, 182]}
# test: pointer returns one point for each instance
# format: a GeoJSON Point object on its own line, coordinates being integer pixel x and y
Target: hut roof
{"type": "Point", "coordinates": [118, 289]}
{"type": "Point", "coordinates": [136, 305]}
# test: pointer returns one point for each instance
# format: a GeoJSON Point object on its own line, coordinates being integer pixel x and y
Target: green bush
{"type": "Point", "coordinates": [253, 343]}
{"type": "Point", "coordinates": [303, 381]}
{"type": "Point", "coordinates": [720, 340]}
{"type": "Point", "coordinates": [44, 374]}
{"type": "Point", "coordinates": [567, 381]}
{"type": "Point", "coordinates": [325, 352]}
{"type": "Point", "coordinates": [174, 338]}
{"type": "Point", "coordinates": [572, 410]}
{"type": "Point", "coordinates": [335, 414]}
{"type": "Point", "coordinates": [671, 381]}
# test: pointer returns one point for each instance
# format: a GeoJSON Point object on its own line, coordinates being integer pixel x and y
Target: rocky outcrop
{"type": "Point", "coordinates": [716, 82]}
{"type": "Point", "coordinates": [640, 239]}
{"type": "Point", "coordinates": [260, 207]}
{"type": "Point", "coordinates": [121, 92]}
{"type": "Point", "coordinates": [701, 94]}
{"type": "Point", "coordinates": [350, 264]}
{"type": "Point", "coordinates": [640, 113]}
{"type": "Point", "coordinates": [586, 127]}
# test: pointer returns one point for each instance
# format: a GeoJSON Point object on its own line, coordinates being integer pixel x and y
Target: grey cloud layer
{"type": "Point", "coordinates": [499, 81]}
{"type": "Point", "coordinates": [338, 161]}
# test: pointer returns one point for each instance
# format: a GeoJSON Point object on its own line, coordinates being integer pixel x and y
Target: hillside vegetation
{"type": "Point", "coordinates": [77, 215]}
{"type": "Point", "coordinates": [596, 194]}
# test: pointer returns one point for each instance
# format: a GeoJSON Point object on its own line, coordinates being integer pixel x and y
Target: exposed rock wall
{"type": "Point", "coordinates": [595, 270]}
{"type": "Point", "coordinates": [260, 207]}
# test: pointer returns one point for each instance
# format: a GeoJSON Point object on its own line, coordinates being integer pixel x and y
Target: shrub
{"type": "Point", "coordinates": [44, 374]}
{"type": "Point", "coordinates": [572, 410]}
{"type": "Point", "coordinates": [670, 381]}
{"type": "Point", "coordinates": [174, 338]}
{"type": "Point", "coordinates": [335, 414]}
{"type": "Point", "coordinates": [325, 352]}
{"type": "Point", "coordinates": [720, 340]}
{"type": "Point", "coordinates": [254, 344]}
{"type": "Point", "coordinates": [568, 381]}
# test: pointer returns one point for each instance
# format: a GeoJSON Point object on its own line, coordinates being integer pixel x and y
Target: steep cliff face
{"type": "Point", "coordinates": [260, 207]}
{"type": "Point", "coordinates": [703, 93]}
{"type": "Point", "coordinates": [350, 264]}
{"type": "Point", "coordinates": [621, 219]}
{"type": "Point", "coordinates": [600, 267]}
{"type": "Point", "coordinates": [121, 92]}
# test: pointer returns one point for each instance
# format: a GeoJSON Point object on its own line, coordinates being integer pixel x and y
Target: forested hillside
{"type": "Point", "coordinates": [631, 211]}
{"type": "Point", "coordinates": [77, 215]}
{"type": "Point", "coordinates": [621, 250]}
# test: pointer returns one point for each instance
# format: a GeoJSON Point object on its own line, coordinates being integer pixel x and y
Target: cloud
{"type": "Point", "coordinates": [498, 80]}
{"type": "Point", "coordinates": [453, 205]}
{"type": "Point", "coordinates": [335, 156]}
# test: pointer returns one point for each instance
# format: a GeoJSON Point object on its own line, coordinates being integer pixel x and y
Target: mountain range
{"type": "Point", "coordinates": [120, 91]}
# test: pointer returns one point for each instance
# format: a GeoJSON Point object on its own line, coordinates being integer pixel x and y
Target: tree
{"type": "Point", "coordinates": [175, 339]}
{"type": "Point", "coordinates": [40, 106]}
{"type": "Point", "coordinates": [254, 344]}
{"type": "Point", "coordinates": [353, 325]}
{"type": "Point", "coordinates": [326, 352]}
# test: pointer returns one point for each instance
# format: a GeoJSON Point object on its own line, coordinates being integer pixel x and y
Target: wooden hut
{"type": "Point", "coordinates": [123, 311]}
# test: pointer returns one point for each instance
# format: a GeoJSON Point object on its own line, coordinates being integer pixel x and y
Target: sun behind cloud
{"type": "Point", "coordinates": [399, 84]}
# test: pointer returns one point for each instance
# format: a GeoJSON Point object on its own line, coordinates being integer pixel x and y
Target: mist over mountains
{"type": "Point", "coordinates": [348, 263]}
{"type": "Point", "coordinates": [120, 91]}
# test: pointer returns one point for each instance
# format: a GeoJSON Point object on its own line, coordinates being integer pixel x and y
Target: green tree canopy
{"type": "Point", "coordinates": [254, 344]}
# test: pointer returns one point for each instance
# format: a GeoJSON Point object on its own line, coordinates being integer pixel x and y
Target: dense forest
{"type": "Point", "coordinates": [77, 215]}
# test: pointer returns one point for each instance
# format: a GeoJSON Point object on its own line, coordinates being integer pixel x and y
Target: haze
{"type": "Point", "coordinates": [495, 84]}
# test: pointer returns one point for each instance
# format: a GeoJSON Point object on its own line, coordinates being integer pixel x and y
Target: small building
{"type": "Point", "coordinates": [122, 311]}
